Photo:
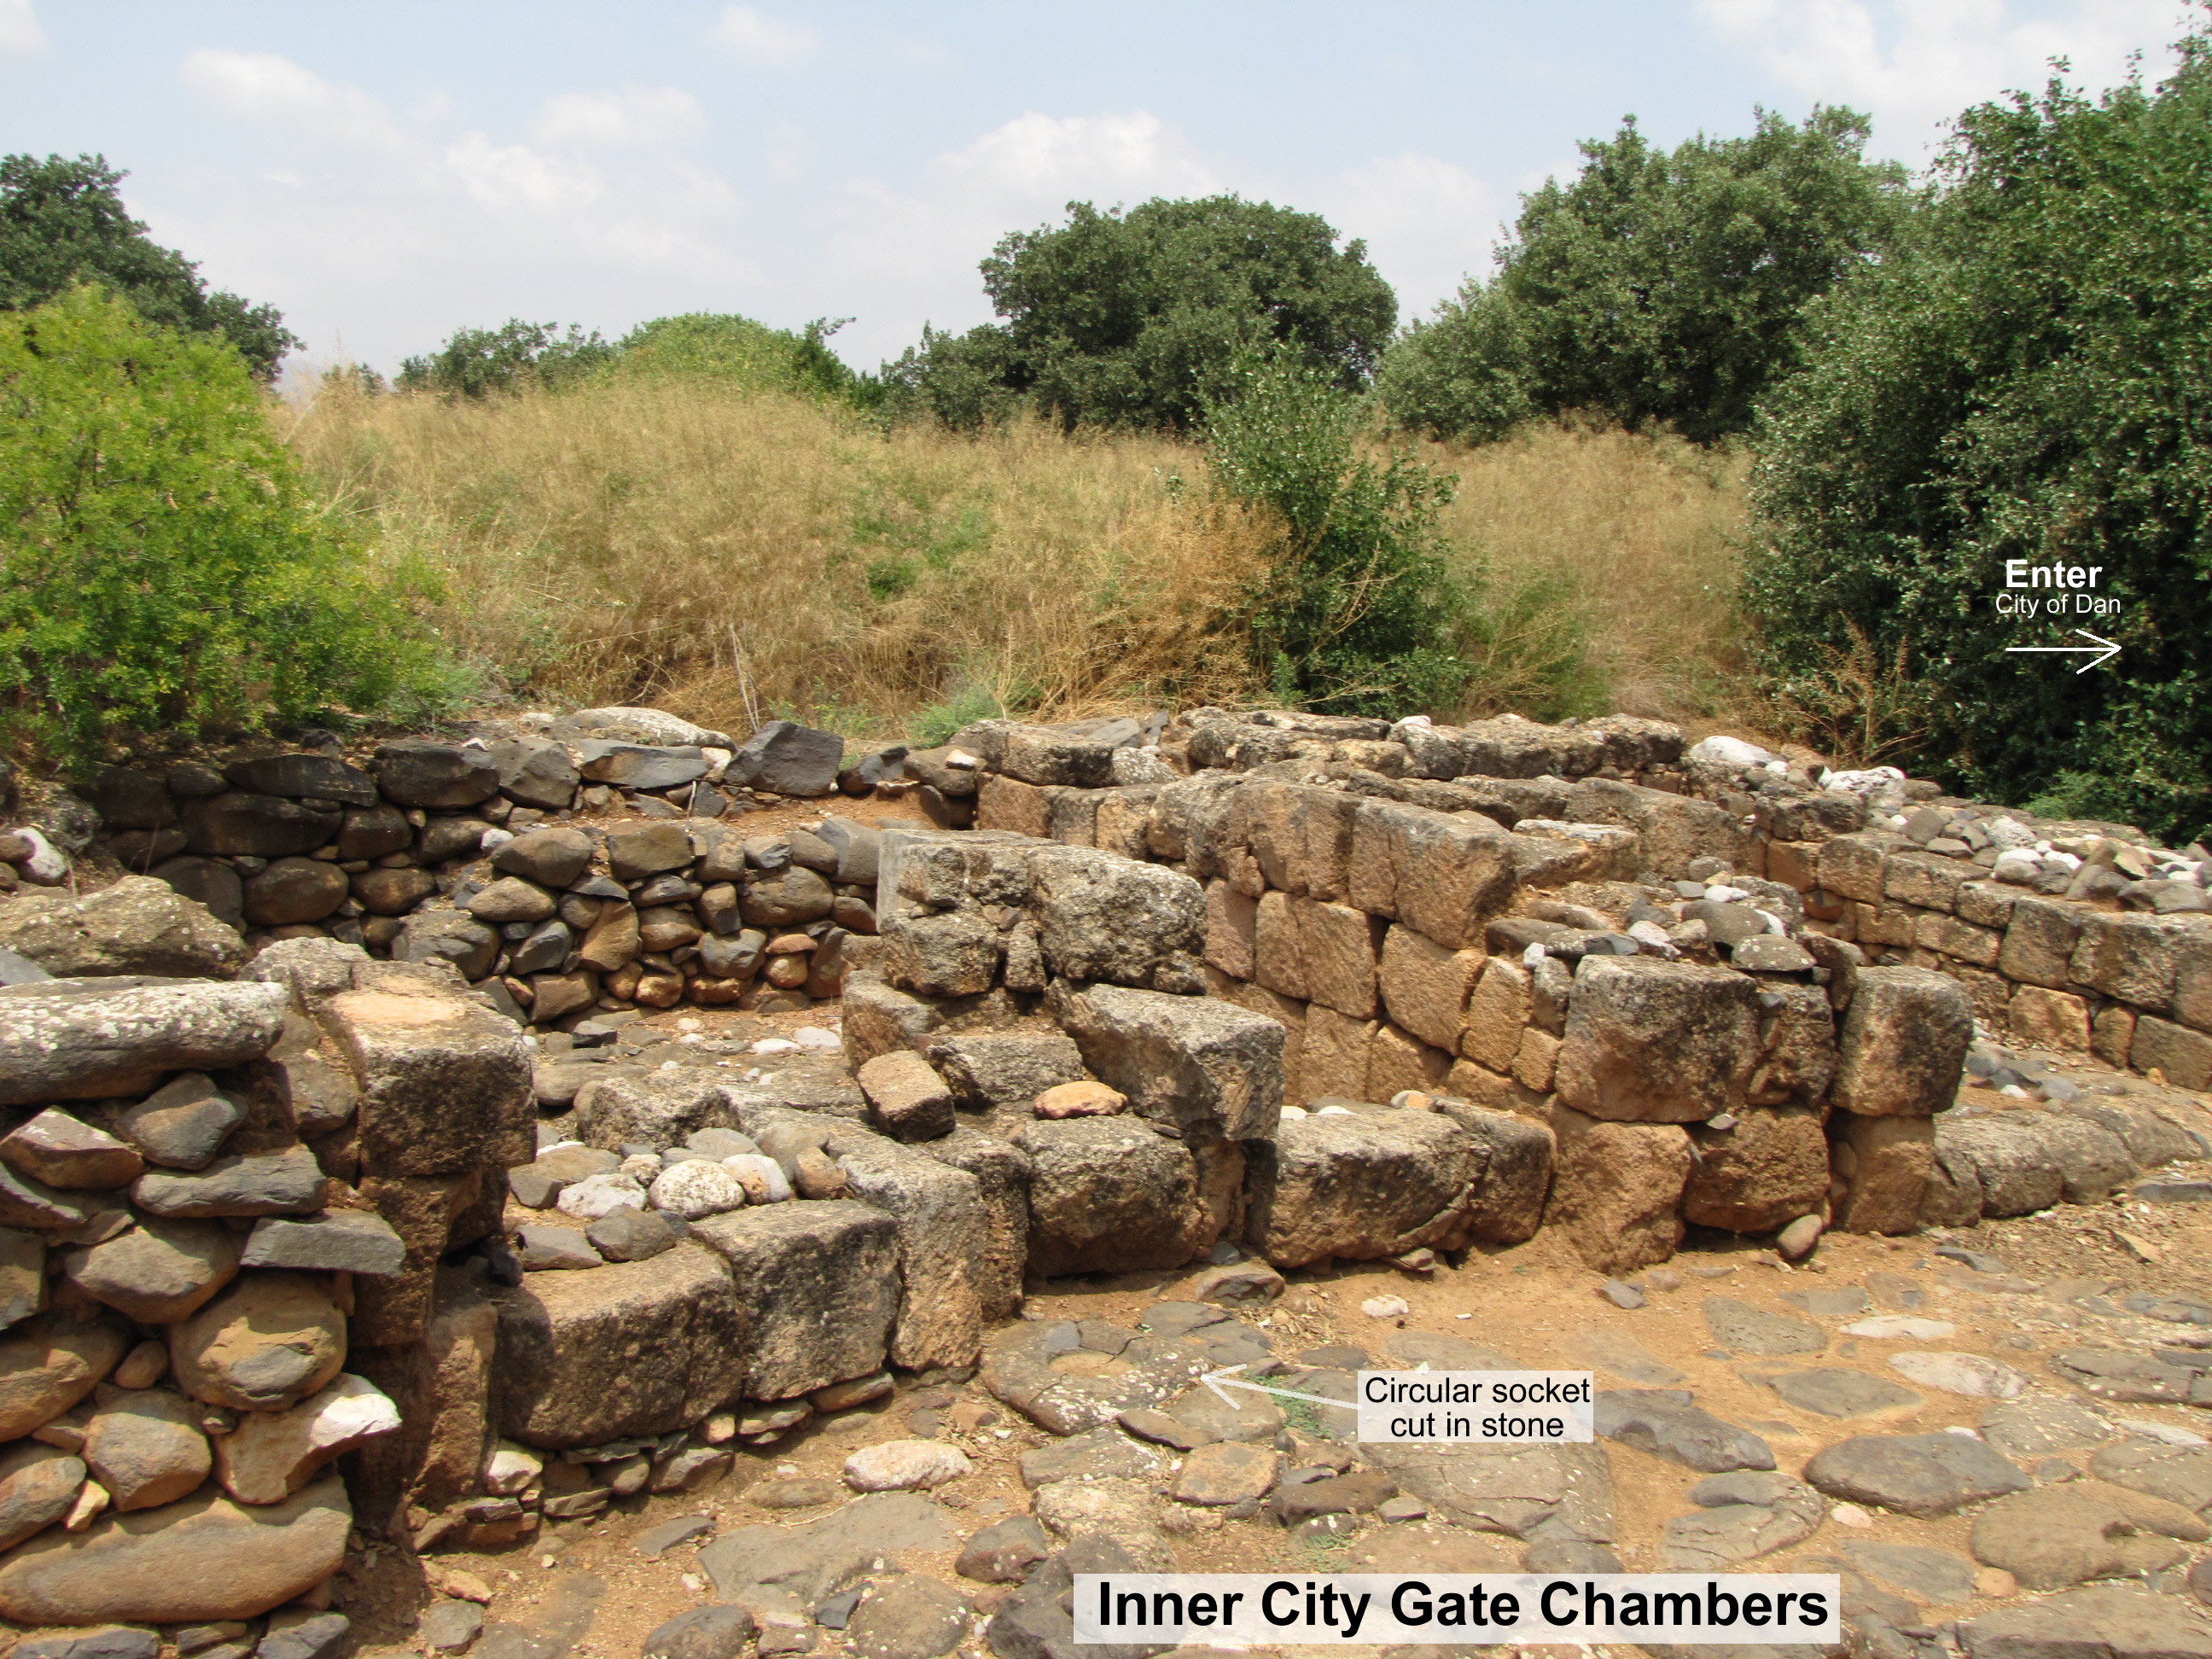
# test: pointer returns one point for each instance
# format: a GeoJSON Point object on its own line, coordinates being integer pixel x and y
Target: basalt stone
{"type": "Point", "coordinates": [551, 858]}
{"type": "Point", "coordinates": [183, 1124]}
{"type": "Point", "coordinates": [92, 1039]}
{"type": "Point", "coordinates": [337, 1241]}
{"type": "Point", "coordinates": [208, 882]}
{"type": "Point", "coordinates": [393, 892]}
{"type": "Point", "coordinates": [294, 891]}
{"type": "Point", "coordinates": [260, 826]}
{"type": "Point", "coordinates": [138, 924]}
{"type": "Point", "coordinates": [1917, 1474]}
{"type": "Point", "coordinates": [375, 832]}
{"type": "Point", "coordinates": [1664, 1422]}
{"type": "Point", "coordinates": [638, 766]}
{"type": "Point", "coordinates": [416, 773]}
{"type": "Point", "coordinates": [144, 1445]}
{"type": "Point", "coordinates": [49, 1363]}
{"type": "Point", "coordinates": [267, 1343]}
{"type": "Point", "coordinates": [66, 1152]}
{"type": "Point", "coordinates": [323, 776]}
{"type": "Point", "coordinates": [534, 772]}
{"type": "Point", "coordinates": [133, 800]}
{"type": "Point", "coordinates": [787, 759]}
{"type": "Point", "coordinates": [159, 1271]}
{"type": "Point", "coordinates": [289, 1182]}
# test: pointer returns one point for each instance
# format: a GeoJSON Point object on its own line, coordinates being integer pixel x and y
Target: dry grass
{"type": "Point", "coordinates": [714, 551]}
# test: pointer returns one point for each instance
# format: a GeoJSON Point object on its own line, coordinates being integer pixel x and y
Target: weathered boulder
{"type": "Point", "coordinates": [158, 1272]}
{"type": "Point", "coordinates": [182, 1125]}
{"type": "Point", "coordinates": [238, 822]}
{"type": "Point", "coordinates": [138, 925]}
{"type": "Point", "coordinates": [943, 1230]}
{"type": "Point", "coordinates": [535, 772]}
{"type": "Point", "coordinates": [552, 857]}
{"type": "Point", "coordinates": [1617, 1189]}
{"type": "Point", "coordinates": [787, 759]}
{"type": "Point", "coordinates": [1657, 1042]}
{"type": "Point", "coordinates": [1005, 1068]}
{"type": "Point", "coordinates": [630, 1348]}
{"type": "Point", "coordinates": [1110, 1194]}
{"type": "Point", "coordinates": [1761, 1174]}
{"type": "Point", "coordinates": [145, 1447]}
{"type": "Point", "coordinates": [658, 1109]}
{"type": "Point", "coordinates": [419, 772]}
{"type": "Point", "coordinates": [1210, 1068]}
{"type": "Point", "coordinates": [817, 1286]}
{"type": "Point", "coordinates": [93, 1039]}
{"type": "Point", "coordinates": [2105, 1622]}
{"type": "Point", "coordinates": [907, 1099]}
{"type": "Point", "coordinates": [997, 1262]}
{"type": "Point", "coordinates": [1918, 1475]}
{"type": "Point", "coordinates": [293, 890]}
{"type": "Point", "coordinates": [38, 1485]}
{"type": "Point", "coordinates": [445, 1082]}
{"type": "Point", "coordinates": [203, 1558]}
{"type": "Point", "coordinates": [1101, 916]}
{"type": "Point", "coordinates": [1904, 1042]}
{"type": "Point", "coordinates": [1885, 1163]}
{"type": "Point", "coordinates": [265, 1344]}
{"type": "Point", "coordinates": [272, 1455]}
{"type": "Point", "coordinates": [64, 1151]}
{"type": "Point", "coordinates": [1443, 874]}
{"type": "Point", "coordinates": [1516, 1154]}
{"type": "Point", "coordinates": [49, 1363]}
{"type": "Point", "coordinates": [1362, 1186]}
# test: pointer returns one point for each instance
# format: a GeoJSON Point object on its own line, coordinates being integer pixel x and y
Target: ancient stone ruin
{"type": "Point", "coordinates": [348, 1192]}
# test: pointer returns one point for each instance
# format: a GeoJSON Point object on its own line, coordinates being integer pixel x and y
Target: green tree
{"type": "Point", "coordinates": [1133, 320]}
{"type": "Point", "coordinates": [63, 222]}
{"type": "Point", "coordinates": [162, 565]}
{"type": "Point", "coordinates": [475, 363]}
{"type": "Point", "coordinates": [1658, 286]}
{"type": "Point", "coordinates": [1357, 614]}
{"type": "Point", "coordinates": [730, 347]}
{"type": "Point", "coordinates": [2027, 381]}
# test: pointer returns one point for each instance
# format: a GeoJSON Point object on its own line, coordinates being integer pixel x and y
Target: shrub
{"type": "Point", "coordinates": [162, 566]}
{"type": "Point", "coordinates": [1357, 614]}
{"type": "Point", "coordinates": [475, 363]}
{"type": "Point", "coordinates": [63, 222]}
{"type": "Point", "coordinates": [1133, 320]}
{"type": "Point", "coordinates": [2025, 381]}
{"type": "Point", "coordinates": [742, 352]}
{"type": "Point", "coordinates": [1659, 286]}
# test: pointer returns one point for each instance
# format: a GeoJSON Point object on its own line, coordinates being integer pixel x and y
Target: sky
{"type": "Point", "coordinates": [386, 175]}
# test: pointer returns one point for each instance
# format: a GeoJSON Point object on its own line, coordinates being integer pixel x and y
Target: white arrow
{"type": "Point", "coordinates": [1218, 1380]}
{"type": "Point", "coordinates": [2097, 655]}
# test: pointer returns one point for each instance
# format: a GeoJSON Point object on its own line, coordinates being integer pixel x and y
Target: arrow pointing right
{"type": "Point", "coordinates": [2103, 651]}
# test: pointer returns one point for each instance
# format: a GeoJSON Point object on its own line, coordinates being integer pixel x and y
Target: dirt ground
{"type": "Point", "coordinates": [1532, 1301]}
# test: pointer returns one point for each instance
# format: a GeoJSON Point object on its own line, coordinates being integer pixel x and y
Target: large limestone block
{"type": "Point", "coordinates": [943, 1238]}
{"type": "Point", "coordinates": [1232, 921]}
{"type": "Point", "coordinates": [945, 953]}
{"type": "Point", "coordinates": [1674, 830]}
{"type": "Point", "coordinates": [138, 925]}
{"type": "Point", "coordinates": [1333, 1054]}
{"type": "Point", "coordinates": [1110, 1194]}
{"type": "Point", "coordinates": [2039, 940]}
{"type": "Point", "coordinates": [1904, 1043]}
{"type": "Point", "coordinates": [1078, 754]}
{"type": "Point", "coordinates": [1443, 873]}
{"type": "Point", "coordinates": [1887, 1163]}
{"type": "Point", "coordinates": [1499, 1009]}
{"type": "Point", "coordinates": [1426, 987]}
{"type": "Point", "coordinates": [631, 1348]}
{"type": "Point", "coordinates": [1317, 953]}
{"type": "Point", "coordinates": [1759, 1175]}
{"type": "Point", "coordinates": [202, 1558]}
{"type": "Point", "coordinates": [1617, 1189]}
{"type": "Point", "coordinates": [818, 1284]}
{"type": "Point", "coordinates": [1101, 917]}
{"type": "Point", "coordinates": [1517, 1153]}
{"type": "Point", "coordinates": [1212, 1069]}
{"type": "Point", "coordinates": [1658, 1041]}
{"type": "Point", "coordinates": [445, 1083]}
{"type": "Point", "coordinates": [93, 1039]}
{"type": "Point", "coordinates": [1361, 1187]}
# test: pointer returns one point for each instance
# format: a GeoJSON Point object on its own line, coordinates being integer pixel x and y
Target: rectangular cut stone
{"type": "Point", "coordinates": [1950, 936]}
{"type": "Point", "coordinates": [2185, 1057]}
{"type": "Point", "coordinates": [1851, 865]}
{"type": "Point", "coordinates": [1002, 1171]}
{"type": "Point", "coordinates": [944, 1235]}
{"type": "Point", "coordinates": [1333, 1059]}
{"type": "Point", "coordinates": [1494, 1091]}
{"type": "Point", "coordinates": [1674, 830]}
{"type": "Point", "coordinates": [1300, 835]}
{"type": "Point", "coordinates": [1657, 1042]}
{"type": "Point", "coordinates": [635, 1347]}
{"type": "Point", "coordinates": [1287, 1011]}
{"type": "Point", "coordinates": [1617, 1189]}
{"type": "Point", "coordinates": [817, 1285]}
{"type": "Point", "coordinates": [2048, 1019]}
{"type": "Point", "coordinates": [1986, 903]}
{"type": "Point", "coordinates": [2039, 940]}
{"type": "Point", "coordinates": [1496, 1013]}
{"type": "Point", "coordinates": [1925, 879]}
{"type": "Point", "coordinates": [1231, 921]}
{"type": "Point", "coordinates": [425, 1212]}
{"type": "Point", "coordinates": [1535, 1064]}
{"type": "Point", "coordinates": [1321, 953]}
{"type": "Point", "coordinates": [1426, 987]}
{"type": "Point", "coordinates": [1073, 816]}
{"type": "Point", "coordinates": [1516, 1150]}
{"type": "Point", "coordinates": [1396, 1060]}
{"type": "Point", "coordinates": [1903, 1044]}
{"type": "Point", "coordinates": [2192, 982]}
{"type": "Point", "coordinates": [444, 1386]}
{"type": "Point", "coordinates": [1278, 962]}
{"type": "Point", "coordinates": [1445, 873]}
{"type": "Point", "coordinates": [2132, 957]}
{"type": "Point", "coordinates": [1125, 820]}
{"type": "Point", "coordinates": [1361, 1187]}
{"type": "Point", "coordinates": [2112, 1034]}
{"type": "Point", "coordinates": [1794, 864]}
{"type": "Point", "coordinates": [1209, 1067]}
{"type": "Point", "coordinates": [445, 1082]}
{"type": "Point", "coordinates": [1884, 1163]}
{"type": "Point", "coordinates": [1004, 803]}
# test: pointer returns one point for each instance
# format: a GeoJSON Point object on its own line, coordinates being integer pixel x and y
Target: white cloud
{"type": "Point", "coordinates": [632, 116]}
{"type": "Point", "coordinates": [262, 86]}
{"type": "Point", "coordinates": [20, 33]}
{"type": "Point", "coordinates": [754, 37]}
{"type": "Point", "coordinates": [1913, 65]}
{"type": "Point", "coordinates": [510, 177]}
{"type": "Point", "coordinates": [1119, 157]}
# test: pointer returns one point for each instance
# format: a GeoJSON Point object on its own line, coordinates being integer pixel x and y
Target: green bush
{"type": "Point", "coordinates": [161, 565]}
{"type": "Point", "coordinates": [1658, 286]}
{"type": "Point", "coordinates": [737, 350]}
{"type": "Point", "coordinates": [63, 222]}
{"type": "Point", "coordinates": [1357, 615]}
{"type": "Point", "coordinates": [2025, 380]}
{"type": "Point", "coordinates": [475, 362]}
{"type": "Point", "coordinates": [1133, 320]}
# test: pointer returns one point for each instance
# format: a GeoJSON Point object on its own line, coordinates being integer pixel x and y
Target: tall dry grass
{"type": "Point", "coordinates": [725, 553]}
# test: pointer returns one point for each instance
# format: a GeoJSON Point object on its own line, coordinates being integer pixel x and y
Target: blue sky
{"type": "Point", "coordinates": [386, 174]}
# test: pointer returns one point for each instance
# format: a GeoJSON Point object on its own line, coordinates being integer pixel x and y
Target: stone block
{"type": "Point", "coordinates": [1361, 1187]}
{"type": "Point", "coordinates": [2040, 1018]}
{"type": "Point", "coordinates": [1948, 936]}
{"type": "Point", "coordinates": [1323, 953]}
{"type": "Point", "coordinates": [1211, 1069]}
{"type": "Point", "coordinates": [1231, 923]}
{"type": "Point", "coordinates": [1517, 1153]}
{"type": "Point", "coordinates": [2134, 958]}
{"type": "Point", "coordinates": [2112, 1034]}
{"type": "Point", "coordinates": [1333, 1054]}
{"type": "Point", "coordinates": [1851, 866]}
{"type": "Point", "coordinates": [2011, 1170]}
{"type": "Point", "coordinates": [785, 758]}
{"type": "Point", "coordinates": [139, 925]}
{"type": "Point", "coordinates": [1794, 864]}
{"type": "Point", "coordinates": [1445, 874]}
{"type": "Point", "coordinates": [944, 1235]}
{"type": "Point", "coordinates": [630, 1349]}
{"type": "Point", "coordinates": [1924, 881]}
{"type": "Point", "coordinates": [907, 1099]}
{"type": "Point", "coordinates": [2039, 941]}
{"type": "Point", "coordinates": [445, 1082]}
{"type": "Point", "coordinates": [1287, 1011]}
{"type": "Point", "coordinates": [1426, 987]}
{"type": "Point", "coordinates": [428, 1215]}
{"type": "Point", "coordinates": [997, 1262]}
{"type": "Point", "coordinates": [1887, 1162]}
{"type": "Point", "coordinates": [1398, 1060]}
{"type": "Point", "coordinates": [1987, 905]}
{"type": "Point", "coordinates": [1300, 835]}
{"type": "Point", "coordinates": [1797, 1061]}
{"type": "Point", "coordinates": [1499, 1010]}
{"type": "Point", "coordinates": [1657, 1042]}
{"type": "Point", "coordinates": [657, 1109]}
{"type": "Point", "coordinates": [1617, 1189]}
{"type": "Point", "coordinates": [1101, 917]}
{"type": "Point", "coordinates": [1110, 1195]}
{"type": "Point", "coordinates": [443, 1385]}
{"type": "Point", "coordinates": [2185, 1057]}
{"type": "Point", "coordinates": [1757, 1176]}
{"type": "Point", "coordinates": [880, 1018]}
{"type": "Point", "coordinates": [817, 1282]}
{"type": "Point", "coordinates": [94, 1039]}
{"type": "Point", "coordinates": [1008, 804]}
{"type": "Point", "coordinates": [1903, 1043]}
{"type": "Point", "coordinates": [984, 1069]}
